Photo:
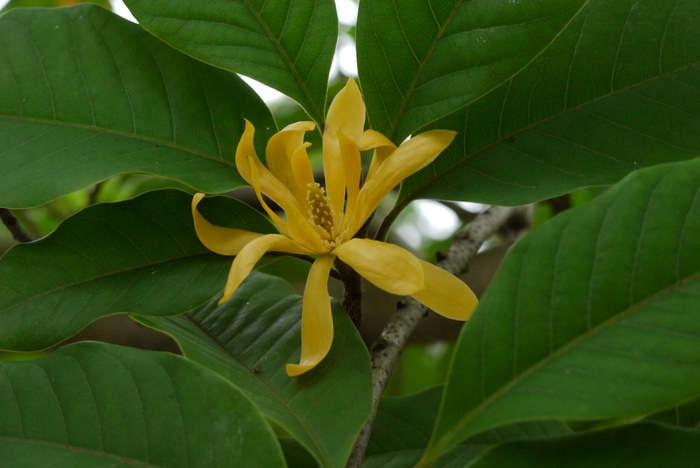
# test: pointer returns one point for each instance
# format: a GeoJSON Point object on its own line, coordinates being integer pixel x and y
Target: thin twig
{"type": "Point", "coordinates": [387, 348]}
{"type": "Point", "coordinates": [9, 220]}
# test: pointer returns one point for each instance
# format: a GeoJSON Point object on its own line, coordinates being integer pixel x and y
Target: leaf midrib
{"type": "Point", "coordinates": [437, 174]}
{"type": "Point", "coordinates": [78, 449]}
{"type": "Point", "coordinates": [314, 112]}
{"type": "Point", "coordinates": [96, 278]}
{"type": "Point", "coordinates": [603, 326]}
{"type": "Point", "coordinates": [265, 384]}
{"type": "Point", "coordinates": [108, 131]}
{"type": "Point", "coordinates": [433, 45]}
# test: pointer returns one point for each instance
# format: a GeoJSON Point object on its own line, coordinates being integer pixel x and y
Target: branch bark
{"type": "Point", "coordinates": [9, 220]}
{"type": "Point", "coordinates": [387, 348]}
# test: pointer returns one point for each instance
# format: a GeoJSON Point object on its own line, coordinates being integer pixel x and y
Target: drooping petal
{"type": "Point", "coordinates": [387, 266]}
{"type": "Point", "coordinates": [249, 255]}
{"type": "Point", "coordinates": [316, 318]}
{"type": "Point", "coordinates": [347, 115]}
{"type": "Point", "coordinates": [407, 159]}
{"type": "Point", "coordinates": [221, 240]}
{"type": "Point", "coordinates": [280, 155]}
{"type": "Point", "coordinates": [445, 293]}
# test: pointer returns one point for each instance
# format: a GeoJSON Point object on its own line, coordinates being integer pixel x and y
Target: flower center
{"type": "Point", "coordinates": [321, 213]}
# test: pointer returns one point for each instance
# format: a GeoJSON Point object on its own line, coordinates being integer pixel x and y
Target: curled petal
{"type": "Point", "coordinates": [387, 266]}
{"type": "Point", "coordinates": [249, 255]}
{"type": "Point", "coordinates": [382, 146]}
{"type": "Point", "coordinates": [281, 150]}
{"type": "Point", "coordinates": [445, 293]}
{"type": "Point", "coordinates": [221, 240]}
{"type": "Point", "coordinates": [247, 160]}
{"type": "Point", "coordinates": [347, 115]}
{"type": "Point", "coordinates": [407, 159]}
{"type": "Point", "coordinates": [316, 318]}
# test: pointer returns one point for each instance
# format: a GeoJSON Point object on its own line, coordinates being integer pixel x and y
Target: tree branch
{"type": "Point", "coordinates": [387, 348]}
{"type": "Point", "coordinates": [9, 220]}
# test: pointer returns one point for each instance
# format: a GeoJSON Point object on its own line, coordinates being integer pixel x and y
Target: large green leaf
{"type": "Point", "coordinates": [138, 256]}
{"type": "Point", "coordinates": [639, 446]}
{"type": "Point", "coordinates": [85, 95]}
{"type": "Point", "coordinates": [403, 425]}
{"type": "Point", "coordinates": [595, 315]}
{"type": "Point", "coordinates": [618, 90]}
{"type": "Point", "coordinates": [250, 338]}
{"type": "Point", "coordinates": [51, 3]}
{"type": "Point", "coordinates": [687, 415]}
{"type": "Point", "coordinates": [286, 44]}
{"type": "Point", "coordinates": [424, 60]}
{"type": "Point", "coordinates": [94, 404]}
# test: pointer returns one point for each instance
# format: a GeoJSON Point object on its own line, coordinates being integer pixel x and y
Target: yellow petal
{"type": "Point", "coordinates": [265, 180]}
{"type": "Point", "coordinates": [249, 255]}
{"type": "Point", "coordinates": [347, 115]}
{"type": "Point", "coordinates": [371, 139]}
{"type": "Point", "coordinates": [352, 163]}
{"type": "Point", "coordinates": [281, 150]}
{"type": "Point", "coordinates": [297, 225]}
{"type": "Point", "coordinates": [445, 293]}
{"type": "Point", "coordinates": [316, 318]}
{"type": "Point", "coordinates": [221, 240]}
{"type": "Point", "coordinates": [387, 266]}
{"type": "Point", "coordinates": [407, 159]}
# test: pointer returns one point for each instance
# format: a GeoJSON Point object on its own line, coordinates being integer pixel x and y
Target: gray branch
{"type": "Point", "coordinates": [9, 220]}
{"type": "Point", "coordinates": [387, 348]}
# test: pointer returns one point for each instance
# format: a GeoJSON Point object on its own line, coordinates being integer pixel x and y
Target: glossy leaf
{"type": "Point", "coordinates": [249, 340]}
{"type": "Point", "coordinates": [285, 44]}
{"type": "Point", "coordinates": [403, 426]}
{"type": "Point", "coordinates": [686, 415]}
{"type": "Point", "coordinates": [618, 90]}
{"type": "Point", "coordinates": [595, 315]}
{"type": "Point", "coordinates": [85, 95]}
{"type": "Point", "coordinates": [421, 62]}
{"type": "Point", "coordinates": [51, 3]}
{"type": "Point", "coordinates": [94, 404]}
{"type": "Point", "coordinates": [639, 446]}
{"type": "Point", "coordinates": [138, 256]}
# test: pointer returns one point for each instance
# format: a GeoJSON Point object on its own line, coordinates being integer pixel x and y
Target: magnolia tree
{"type": "Point", "coordinates": [583, 351]}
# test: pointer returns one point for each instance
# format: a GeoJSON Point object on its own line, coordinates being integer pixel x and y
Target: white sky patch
{"type": "Point", "coordinates": [347, 12]}
{"type": "Point", "coordinates": [436, 220]}
{"type": "Point", "coordinates": [121, 9]}
{"type": "Point", "coordinates": [410, 234]}
{"type": "Point", "coordinates": [473, 207]}
{"type": "Point", "coordinates": [347, 59]}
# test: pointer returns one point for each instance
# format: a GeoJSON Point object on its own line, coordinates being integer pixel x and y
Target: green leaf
{"type": "Point", "coordinates": [85, 95]}
{"type": "Point", "coordinates": [595, 315]}
{"type": "Point", "coordinates": [403, 425]}
{"type": "Point", "coordinates": [638, 446]}
{"type": "Point", "coordinates": [421, 62]}
{"type": "Point", "coordinates": [94, 404]}
{"type": "Point", "coordinates": [618, 90]}
{"type": "Point", "coordinates": [285, 44]}
{"type": "Point", "coordinates": [138, 256]}
{"type": "Point", "coordinates": [51, 3]}
{"type": "Point", "coordinates": [687, 415]}
{"type": "Point", "coordinates": [251, 337]}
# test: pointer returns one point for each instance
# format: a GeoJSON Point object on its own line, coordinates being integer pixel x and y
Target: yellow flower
{"type": "Point", "coordinates": [322, 222]}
